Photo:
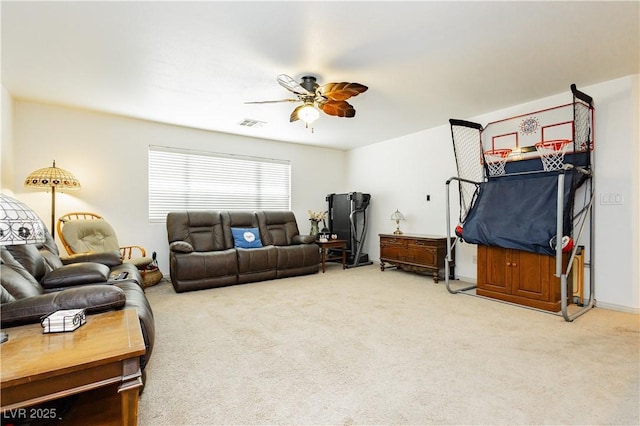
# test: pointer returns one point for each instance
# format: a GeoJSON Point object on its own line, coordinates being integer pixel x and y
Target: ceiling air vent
{"type": "Point", "coordinates": [249, 122]}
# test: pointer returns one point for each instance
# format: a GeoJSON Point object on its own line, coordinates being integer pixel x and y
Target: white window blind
{"type": "Point", "coordinates": [194, 180]}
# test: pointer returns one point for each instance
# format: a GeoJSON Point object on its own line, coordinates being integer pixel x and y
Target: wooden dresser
{"type": "Point", "coordinates": [416, 253]}
{"type": "Point", "coordinates": [519, 277]}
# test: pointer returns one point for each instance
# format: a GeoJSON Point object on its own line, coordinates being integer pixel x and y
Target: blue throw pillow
{"type": "Point", "coordinates": [246, 237]}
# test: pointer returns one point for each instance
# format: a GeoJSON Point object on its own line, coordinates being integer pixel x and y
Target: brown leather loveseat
{"type": "Point", "coordinates": [210, 249]}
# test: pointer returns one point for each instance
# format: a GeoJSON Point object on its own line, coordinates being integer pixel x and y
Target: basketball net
{"type": "Point", "coordinates": [552, 153]}
{"type": "Point", "coordinates": [496, 160]}
{"type": "Point", "coordinates": [466, 144]}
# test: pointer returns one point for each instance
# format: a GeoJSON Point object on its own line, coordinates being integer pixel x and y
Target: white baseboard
{"type": "Point", "coordinates": [470, 280]}
{"type": "Point", "coordinates": [615, 307]}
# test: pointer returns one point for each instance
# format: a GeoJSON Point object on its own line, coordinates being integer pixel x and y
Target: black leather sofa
{"type": "Point", "coordinates": [204, 253]}
{"type": "Point", "coordinates": [36, 281]}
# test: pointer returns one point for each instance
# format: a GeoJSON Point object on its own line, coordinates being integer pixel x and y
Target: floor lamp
{"type": "Point", "coordinates": [53, 178]}
{"type": "Point", "coordinates": [18, 225]}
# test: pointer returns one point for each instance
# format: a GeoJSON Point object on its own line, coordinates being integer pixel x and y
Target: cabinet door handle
{"type": "Point", "coordinates": [514, 264]}
{"type": "Point", "coordinates": [508, 263]}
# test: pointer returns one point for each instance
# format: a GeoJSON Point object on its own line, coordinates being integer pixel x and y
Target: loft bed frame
{"type": "Point", "coordinates": [508, 155]}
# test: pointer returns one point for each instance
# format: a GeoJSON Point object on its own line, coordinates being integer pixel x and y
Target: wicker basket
{"type": "Point", "coordinates": [151, 277]}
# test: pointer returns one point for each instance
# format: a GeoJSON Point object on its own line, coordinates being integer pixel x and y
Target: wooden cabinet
{"type": "Point", "coordinates": [417, 253]}
{"type": "Point", "coordinates": [519, 277]}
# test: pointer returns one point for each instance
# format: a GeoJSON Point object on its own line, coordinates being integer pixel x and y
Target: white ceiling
{"type": "Point", "coordinates": [195, 64]}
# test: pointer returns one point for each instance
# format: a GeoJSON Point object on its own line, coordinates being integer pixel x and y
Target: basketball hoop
{"type": "Point", "coordinates": [552, 153]}
{"type": "Point", "coordinates": [496, 160]}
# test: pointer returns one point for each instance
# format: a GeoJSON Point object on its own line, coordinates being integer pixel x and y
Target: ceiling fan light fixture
{"type": "Point", "coordinates": [308, 113]}
{"type": "Point", "coordinates": [330, 98]}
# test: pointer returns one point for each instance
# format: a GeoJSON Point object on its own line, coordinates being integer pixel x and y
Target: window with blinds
{"type": "Point", "coordinates": [194, 180]}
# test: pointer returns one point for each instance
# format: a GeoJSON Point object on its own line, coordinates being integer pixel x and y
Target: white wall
{"type": "Point", "coordinates": [6, 147]}
{"type": "Point", "coordinates": [399, 174]}
{"type": "Point", "coordinates": [108, 154]}
{"type": "Point", "coordinates": [420, 163]}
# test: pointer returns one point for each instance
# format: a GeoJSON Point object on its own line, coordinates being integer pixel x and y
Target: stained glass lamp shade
{"type": "Point", "coordinates": [52, 178]}
{"type": "Point", "coordinates": [18, 223]}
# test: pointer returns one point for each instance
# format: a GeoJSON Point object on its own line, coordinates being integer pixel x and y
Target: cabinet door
{"type": "Point", "coordinates": [494, 273]}
{"type": "Point", "coordinates": [532, 275]}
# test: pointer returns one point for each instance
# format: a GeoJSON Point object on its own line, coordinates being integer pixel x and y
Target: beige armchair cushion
{"type": "Point", "coordinates": [91, 235]}
{"type": "Point", "coordinates": [95, 235]}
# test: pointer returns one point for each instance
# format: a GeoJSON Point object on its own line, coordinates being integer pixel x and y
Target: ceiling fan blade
{"type": "Point", "coordinates": [294, 114]}
{"type": "Point", "coordinates": [273, 102]}
{"type": "Point", "coordinates": [292, 85]}
{"type": "Point", "coordinates": [337, 108]}
{"type": "Point", "coordinates": [341, 91]}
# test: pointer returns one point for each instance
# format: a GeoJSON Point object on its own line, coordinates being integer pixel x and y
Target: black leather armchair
{"type": "Point", "coordinates": [35, 282]}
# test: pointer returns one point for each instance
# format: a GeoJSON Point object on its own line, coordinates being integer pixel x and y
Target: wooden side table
{"type": "Point", "coordinates": [333, 244]}
{"type": "Point", "coordinates": [105, 351]}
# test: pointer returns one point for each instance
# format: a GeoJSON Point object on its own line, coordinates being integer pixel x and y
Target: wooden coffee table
{"type": "Point", "coordinates": [105, 351]}
{"type": "Point", "coordinates": [333, 244]}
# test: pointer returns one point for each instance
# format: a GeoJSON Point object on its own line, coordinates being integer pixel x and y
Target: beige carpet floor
{"type": "Point", "coordinates": [361, 346]}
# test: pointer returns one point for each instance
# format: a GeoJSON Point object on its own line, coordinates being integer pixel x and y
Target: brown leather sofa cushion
{"type": "Point", "coordinates": [76, 274]}
{"type": "Point", "coordinates": [16, 286]}
{"type": "Point", "coordinates": [278, 227]}
{"type": "Point", "coordinates": [16, 281]}
{"type": "Point", "coordinates": [95, 298]}
{"type": "Point", "coordinates": [297, 260]}
{"type": "Point", "coordinates": [238, 219]}
{"type": "Point", "coordinates": [202, 229]}
{"type": "Point", "coordinates": [257, 264]}
{"type": "Point", "coordinates": [196, 265]}
{"type": "Point", "coordinates": [29, 256]}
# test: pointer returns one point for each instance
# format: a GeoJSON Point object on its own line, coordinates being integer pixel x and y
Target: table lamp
{"type": "Point", "coordinates": [397, 216]}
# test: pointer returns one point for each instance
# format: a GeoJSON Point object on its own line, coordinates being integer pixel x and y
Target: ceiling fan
{"type": "Point", "coordinates": [331, 98]}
